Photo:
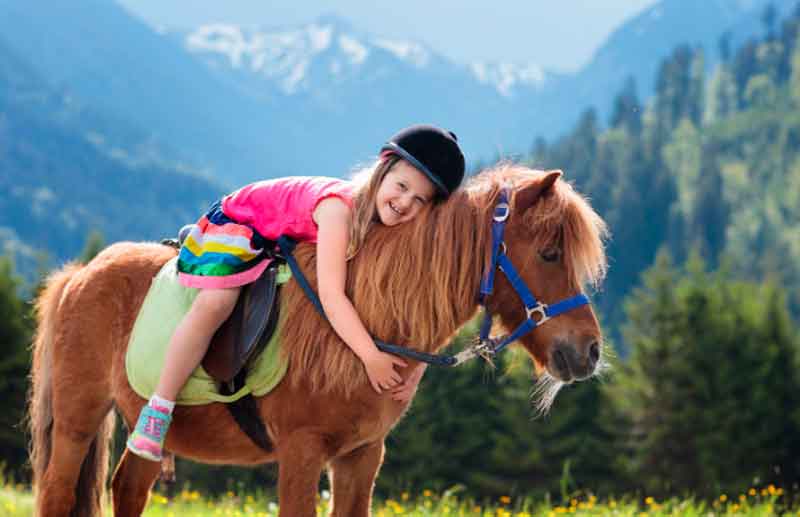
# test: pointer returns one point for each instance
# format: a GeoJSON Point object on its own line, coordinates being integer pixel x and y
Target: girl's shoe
{"type": "Point", "coordinates": [147, 439]}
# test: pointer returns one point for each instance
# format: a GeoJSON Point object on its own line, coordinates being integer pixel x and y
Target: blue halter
{"type": "Point", "coordinates": [532, 307]}
{"type": "Point", "coordinates": [486, 346]}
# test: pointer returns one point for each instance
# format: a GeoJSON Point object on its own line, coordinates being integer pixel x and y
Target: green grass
{"type": "Point", "coordinates": [17, 501]}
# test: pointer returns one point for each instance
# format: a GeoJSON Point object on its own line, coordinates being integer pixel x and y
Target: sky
{"type": "Point", "coordinates": [555, 34]}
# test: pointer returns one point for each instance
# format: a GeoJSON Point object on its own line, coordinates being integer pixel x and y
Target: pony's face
{"type": "Point", "coordinates": [554, 240]}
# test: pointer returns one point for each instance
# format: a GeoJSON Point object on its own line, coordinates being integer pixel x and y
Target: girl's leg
{"type": "Point", "coordinates": [190, 341]}
{"type": "Point", "coordinates": [186, 349]}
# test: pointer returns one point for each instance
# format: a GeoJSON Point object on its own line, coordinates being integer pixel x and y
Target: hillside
{"type": "Point", "coordinates": [711, 164]}
{"type": "Point", "coordinates": [63, 174]}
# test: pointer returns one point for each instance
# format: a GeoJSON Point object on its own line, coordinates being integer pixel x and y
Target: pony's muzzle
{"type": "Point", "coordinates": [574, 362]}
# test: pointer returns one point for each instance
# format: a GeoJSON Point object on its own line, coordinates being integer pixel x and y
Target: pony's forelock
{"type": "Point", "coordinates": [560, 217]}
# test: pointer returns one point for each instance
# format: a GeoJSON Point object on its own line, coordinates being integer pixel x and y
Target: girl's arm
{"type": "Point", "coordinates": [332, 216]}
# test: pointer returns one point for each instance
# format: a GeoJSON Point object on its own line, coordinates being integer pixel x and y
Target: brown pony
{"type": "Point", "coordinates": [414, 284]}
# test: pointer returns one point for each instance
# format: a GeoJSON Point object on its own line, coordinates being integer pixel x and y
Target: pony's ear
{"type": "Point", "coordinates": [526, 197]}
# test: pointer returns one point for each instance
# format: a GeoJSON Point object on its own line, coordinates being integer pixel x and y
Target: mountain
{"type": "Point", "coordinates": [329, 54]}
{"type": "Point", "coordinates": [119, 65]}
{"type": "Point", "coordinates": [339, 80]}
{"type": "Point", "coordinates": [638, 47]}
{"type": "Point", "coordinates": [350, 90]}
{"type": "Point", "coordinates": [244, 103]}
{"type": "Point", "coordinates": [65, 173]}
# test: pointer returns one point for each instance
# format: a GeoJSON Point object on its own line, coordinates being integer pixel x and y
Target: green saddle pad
{"type": "Point", "coordinates": [165, 305]}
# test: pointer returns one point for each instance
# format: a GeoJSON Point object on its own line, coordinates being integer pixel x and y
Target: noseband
{"type": "Point", "coordinates": [486, 346]}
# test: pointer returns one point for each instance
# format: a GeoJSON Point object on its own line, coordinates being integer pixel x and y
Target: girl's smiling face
{"type": "Point", "coordinates": [403, 192]}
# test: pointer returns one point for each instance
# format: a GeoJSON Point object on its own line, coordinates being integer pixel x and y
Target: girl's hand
{"type": "Point", "coordinates": [405, 391]}
{"type": "Point", "coordinates": [380, 370]}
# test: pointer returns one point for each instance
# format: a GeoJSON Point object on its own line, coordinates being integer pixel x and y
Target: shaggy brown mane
{"type": "Point", "coordinates": [416, 284]}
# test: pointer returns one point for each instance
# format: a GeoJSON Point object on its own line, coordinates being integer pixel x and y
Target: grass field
{"type": "Point", "coordinates": [17, 500]}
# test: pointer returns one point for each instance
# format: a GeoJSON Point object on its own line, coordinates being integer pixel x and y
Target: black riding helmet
{"type": "Point", "coordinates": [432, 150]}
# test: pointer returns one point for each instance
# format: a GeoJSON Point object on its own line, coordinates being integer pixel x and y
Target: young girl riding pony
{"type": "Point", "coordinates": [225, 250]}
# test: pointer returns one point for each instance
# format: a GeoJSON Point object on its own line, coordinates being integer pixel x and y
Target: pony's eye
{"type": "Point", "coordinates": [550, 254]}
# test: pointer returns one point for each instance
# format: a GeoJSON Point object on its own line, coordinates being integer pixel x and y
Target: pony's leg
{"type": "Point", "coordinates": [353, 478]}
{"type": "Point", "coordinates": [130, 487]}
{"type": "Point", "coordinates": [301, 458]}
{"type": "Point", "coordinates": [73, 438]}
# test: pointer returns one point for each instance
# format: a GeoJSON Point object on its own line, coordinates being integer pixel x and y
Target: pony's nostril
{"type": "Point", "coordinates": [594, 354]}
{"type": "Point", "coordinates": [560, 360]}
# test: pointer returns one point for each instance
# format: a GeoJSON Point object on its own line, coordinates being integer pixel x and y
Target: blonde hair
{"type": "Point", "coordinates": [364, 212]}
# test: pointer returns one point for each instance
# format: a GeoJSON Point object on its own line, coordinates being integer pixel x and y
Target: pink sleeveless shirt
{"type": "Point", "coordinates": [285, 206]}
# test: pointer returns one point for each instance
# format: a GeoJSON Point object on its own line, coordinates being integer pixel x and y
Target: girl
{"type": "Point", "coordinates": [224, 251]}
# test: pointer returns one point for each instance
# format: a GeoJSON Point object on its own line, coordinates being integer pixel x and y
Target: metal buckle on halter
{"type": "Point", "coordinates": [485, 350]}
{"type": "Point", "coordinates": [541, 310]}
{"type": "Point", "coordinates": [479, 348]}
{"type": "Point", "coordinates": [503, 215]}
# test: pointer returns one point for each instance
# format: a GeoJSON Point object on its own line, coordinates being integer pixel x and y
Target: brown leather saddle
{"type": "Point", "coordinates": [247, 330]}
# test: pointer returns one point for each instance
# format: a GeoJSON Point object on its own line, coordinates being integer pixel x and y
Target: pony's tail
{"type": "Point", "coordinates": [91, 484]}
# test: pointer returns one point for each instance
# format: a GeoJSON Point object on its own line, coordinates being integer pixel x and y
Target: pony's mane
{"type": "Point", "coordinates": [415, 284]}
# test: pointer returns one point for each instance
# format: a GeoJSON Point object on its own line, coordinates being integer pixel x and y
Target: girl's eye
{"type": "Point", "coordinates": [550, 254]}
{"type": "Point", "coordinates": [402, 186]}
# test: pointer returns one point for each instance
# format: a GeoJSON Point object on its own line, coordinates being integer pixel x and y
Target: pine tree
{"type": "Point", "coordinates": [708, 384]}
{"type": "Point", "coordinates": [15, 335]}
{"type": "Point", "coordinates": [627, 110]}
{"type": "Point", "coordinates": [647, 391]}
{"type": "Point", "coordinates": [94, 245]}
{"type": "Point", "coordinates": [724, 47]}
{"type": "Point", "coordinates": [769, 17]}
{"type": "Point", "coordinates": [673, 100]}
{"type": "Point", "coordinates": [790, 30]}
{"type": "Point", "coordinates": [444, 439]}
{"type": "Point", "coordinates": [722, 96]}
{"type": "Point", "coordinates": [745, 66]}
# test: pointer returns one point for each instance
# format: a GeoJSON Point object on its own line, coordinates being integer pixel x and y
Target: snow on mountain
{"type": "Point", "coordinates": [505, 77]}
{"type": "Point", "coordinates": [332, 51]}
{"type": "Point", "coordinates": [413, 53]}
